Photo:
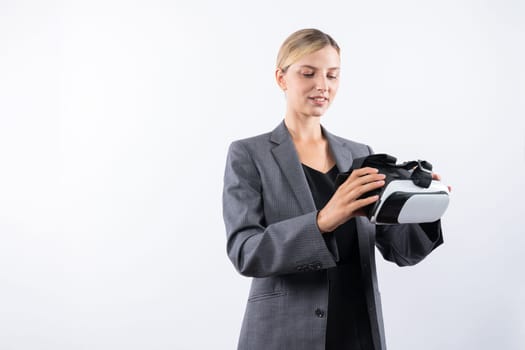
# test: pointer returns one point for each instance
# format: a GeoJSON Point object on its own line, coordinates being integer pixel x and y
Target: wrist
{"type": "Point", "coordinates": [321, 223]}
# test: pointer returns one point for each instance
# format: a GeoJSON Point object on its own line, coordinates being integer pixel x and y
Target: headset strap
{"type": "Point", "coordinates": [421, 172]}
{"type": "Point", "coordinates": [421, 169]}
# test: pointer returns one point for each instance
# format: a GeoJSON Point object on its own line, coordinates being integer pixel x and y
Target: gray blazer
{"type": "Point", "coordinates": [272, 236]}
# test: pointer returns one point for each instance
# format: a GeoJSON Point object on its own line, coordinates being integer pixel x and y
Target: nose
{"type": "Point", "coordinates": [322, 83]}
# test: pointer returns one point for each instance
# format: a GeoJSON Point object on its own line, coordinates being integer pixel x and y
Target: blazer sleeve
{"type": "Point", "coordinates": [259, 249]}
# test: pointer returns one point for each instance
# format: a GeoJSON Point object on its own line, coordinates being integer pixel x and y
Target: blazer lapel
{"type": "Point", "coordinates": [340, 151]}
{"type": "Point", "coordinates": [288, 160]}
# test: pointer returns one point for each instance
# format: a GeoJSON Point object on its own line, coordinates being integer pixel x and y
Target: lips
{"type": "Point", "coordinates": [318, 100]}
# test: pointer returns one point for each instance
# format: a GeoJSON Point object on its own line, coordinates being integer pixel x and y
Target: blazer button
{"type": "Point", "coordinates": [319, 313]}
{"type": "Point", "coordinates": [302, 268]}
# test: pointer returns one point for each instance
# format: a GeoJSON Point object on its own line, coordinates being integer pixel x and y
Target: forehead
{"type": "Point", "coordinates": [326, 58]}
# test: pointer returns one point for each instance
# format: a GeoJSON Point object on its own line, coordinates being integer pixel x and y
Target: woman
{"type": "Point", "coordinates": [306, 245]}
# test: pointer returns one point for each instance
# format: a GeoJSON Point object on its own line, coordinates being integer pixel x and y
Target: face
{"type": "Point", "coordinates": [311, 83]}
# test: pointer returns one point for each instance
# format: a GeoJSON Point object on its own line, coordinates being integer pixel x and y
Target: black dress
{"type": "Point", "coordinates": [348, 325]}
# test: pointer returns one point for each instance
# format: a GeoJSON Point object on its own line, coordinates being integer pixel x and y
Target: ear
{"type": "Point", "coordinates": [280, 78]}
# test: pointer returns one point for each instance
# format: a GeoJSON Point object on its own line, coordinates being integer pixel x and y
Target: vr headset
{"type": "Point", "coordinates": [409, 194]}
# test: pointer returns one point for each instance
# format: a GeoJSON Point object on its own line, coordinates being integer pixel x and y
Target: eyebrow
{"type": "Point", "coordinates": [312, 67]}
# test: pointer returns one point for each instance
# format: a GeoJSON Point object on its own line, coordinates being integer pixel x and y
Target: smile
{"type": "Point", "coordinates": [318, 100]}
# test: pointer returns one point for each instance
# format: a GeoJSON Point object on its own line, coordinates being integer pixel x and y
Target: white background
{"type": "Point", "coordinates": [115, 118]}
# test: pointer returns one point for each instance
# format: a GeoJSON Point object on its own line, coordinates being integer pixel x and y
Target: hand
{"type": "Point", "coordinates": [345, 204]}
{"type": "Point", "coordinates": [438, 178]}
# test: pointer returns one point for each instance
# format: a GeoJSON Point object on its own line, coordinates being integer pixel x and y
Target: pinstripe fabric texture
{"type": "Point", "coordinates": [272, 236]}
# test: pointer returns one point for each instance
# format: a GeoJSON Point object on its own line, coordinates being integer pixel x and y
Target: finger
{"type": "Point", "coordinates": [363, 180]}
{"type": "Point", "coordinates": [364, 171]}
{"type": "Point", "coordinates": [436, 177]}
{"type": "Point", "coordinates": [359, 191]}
{"type": "Point", "coordinates": [449, 188]}
{"type": "Point", "coordinates": [360, 180]}
{"type": "Point", "coordinates": [361, 203]}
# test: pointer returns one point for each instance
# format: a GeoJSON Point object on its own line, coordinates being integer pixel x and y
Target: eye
{"type": "Point", "coordinates": [332, 77]}
{"type": "Point", "coordinates": [308, 75]}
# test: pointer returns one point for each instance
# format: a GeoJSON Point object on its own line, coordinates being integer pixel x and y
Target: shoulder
{"type": "Point", "coordinates": [355, 146]}
{"type": "Point", "coordinates": [252, 145]}
{"type": "Point", "coordinates": [253, 142]}
{"type": "Point", "coordinates": [250, 148]}
{"type": "Point", "coordinates": [247, 158]}
{"type": "Point", "coordinates": [349, 142]}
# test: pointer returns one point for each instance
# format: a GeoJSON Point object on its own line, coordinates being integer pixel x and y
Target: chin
{"type": "Point", "coordinates": [317, 112]}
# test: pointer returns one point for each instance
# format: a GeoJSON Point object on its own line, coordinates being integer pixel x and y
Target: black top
{"type": "Point", "coordinates": [348, 325]}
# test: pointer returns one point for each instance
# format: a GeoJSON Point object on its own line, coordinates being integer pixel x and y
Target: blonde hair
{"type": "Point", "coordinates": [302, 43]}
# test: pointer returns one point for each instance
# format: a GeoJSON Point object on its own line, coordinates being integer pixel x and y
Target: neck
{"type": "Point", "coordinates": [303, 128]}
